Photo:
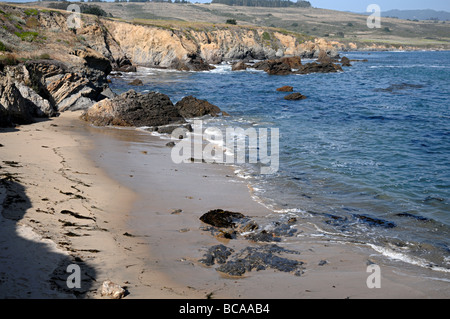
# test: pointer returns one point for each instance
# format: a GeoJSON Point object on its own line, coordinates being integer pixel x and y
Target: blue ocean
{"type": "Point", "coordinates": [365, 158]}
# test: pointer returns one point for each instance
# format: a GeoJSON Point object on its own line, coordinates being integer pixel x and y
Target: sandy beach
{"type": "Point", "coordinates": [112, 202]}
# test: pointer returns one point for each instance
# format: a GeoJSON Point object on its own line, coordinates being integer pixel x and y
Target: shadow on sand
{"type": "Point", "coordinates": [32, 266]}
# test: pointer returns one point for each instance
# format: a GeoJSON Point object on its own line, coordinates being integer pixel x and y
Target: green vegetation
{"type": "Point", "coordinates": [231, 21]}
{"type": "Point", "coordinates": [3, 47]}
{"type": "Point", "coordinates": [31, 12]}
{"type": "Point", "coordinates": [28, 36]}
{"type": "Point", "coordinates": [266, 36]}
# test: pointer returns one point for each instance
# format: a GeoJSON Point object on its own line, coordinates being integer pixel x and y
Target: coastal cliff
{"type": "Point", "coordinates": [47, 67]}
{"type": "Point", "coordinates": [31, 32]}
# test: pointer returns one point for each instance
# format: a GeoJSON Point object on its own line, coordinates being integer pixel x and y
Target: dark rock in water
{"type": "Point", "coordinates": [285, 88]}
{"type": "Point", "coordinates": [261, 258]}
{"type": "Point", "coordinates": [281, 66]}
{"type": "Point", "coordinates": [376, 222]}
{"type": "Point", "coordinates": [216, 254]}
{"type": "Point", "coordinates": [295, 96]}
{"type": "Point", "coordinates": [136, 82]}
{"type": "Point", "coordinates": [314, 67]}
{"type": "Point", "coordinates": [134, 109]}
{"type": "Point", "coordinates": [335, 220]}
{"type": "Point", "coordinates": [221, 218]}
{"type": "Point", "coordinates": [345, 61]}
{"type": "Point", "coordinates": [193, 62]}
{"type": "Point", "coordinates": [170, 144]}
{"type": "Point", "coordinates": [278, 68]}
{"type": "Point", "coordinates": [294, 62]}
{"type": "Point", "coordinates": [238, 66]}
{"type": "Point", "coordinates": [190, 107]}
{"type": "Point", "coordinates": [402, 86]}
{"type": "Point", "coordinates": [409, 215]}
{"type": "Point", "coordinates": [323, 57]}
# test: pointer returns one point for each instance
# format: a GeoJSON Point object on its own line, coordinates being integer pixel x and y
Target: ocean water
{"type": "Point", "coordinates": [365, 158]}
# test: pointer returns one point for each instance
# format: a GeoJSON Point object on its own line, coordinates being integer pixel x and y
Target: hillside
{"type": "Point", "coordinates": [344, 27]}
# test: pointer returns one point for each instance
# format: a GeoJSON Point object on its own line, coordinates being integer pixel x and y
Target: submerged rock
{"type": "Point", "coordinates": [375, 222]}
{"type": "Point", "coordinates": [136, 82]}
{"type": "Point", "coordinates": [134, 109]}
{"type": "Point", "coordinates": [261, 258]}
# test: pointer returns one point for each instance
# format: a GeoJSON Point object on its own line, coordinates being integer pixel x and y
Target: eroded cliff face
{"type": "Point", "coordinates": [169, 44]}
{"type": "Point", "coordinates": [161, 46]}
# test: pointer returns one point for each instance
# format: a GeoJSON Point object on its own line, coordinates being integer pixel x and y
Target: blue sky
{"type": "Point", "coordinates": [361, 5]}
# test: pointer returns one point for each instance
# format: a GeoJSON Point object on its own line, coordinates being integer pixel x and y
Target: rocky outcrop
{"type": "Point", "coordinates": [14, 108]}
{"type": "Point", "coordinates": [190, 107]}
{"type": "Point", "coordinates": [134, 109]}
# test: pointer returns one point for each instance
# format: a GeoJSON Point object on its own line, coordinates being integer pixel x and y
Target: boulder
{"type": "Point", "coordinates": [134, 109]}
{"type": "Point", "coordinates": [190, 107]}
{"type": "Point", "coordinates": [221, 218]}
{"type": "Point", "coordinates": [238, 66]}
{"type": "Point", "coordinates": [38, 106]}
{"type": "Point", "coordinates": [14, 108]}
{"type": "Point", "coordinates": [285, 88]}
{"type": "Point", "coordinates": [295, 96]}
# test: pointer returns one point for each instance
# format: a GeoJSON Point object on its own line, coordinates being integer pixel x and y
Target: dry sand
{"type": "Point", "coordinates": [104, 199]}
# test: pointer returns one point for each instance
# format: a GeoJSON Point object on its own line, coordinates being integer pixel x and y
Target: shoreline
{"type": "Point", "coordinates": [178, 241]}
{"type": "Point", "coordinates": [141, 244]}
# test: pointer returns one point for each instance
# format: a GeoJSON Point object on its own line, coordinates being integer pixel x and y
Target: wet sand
{"type": "Point", "coordinates": [135, 221]}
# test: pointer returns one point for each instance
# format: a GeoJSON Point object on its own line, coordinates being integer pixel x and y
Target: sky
{"type": "Point", "coordinates": [361, 5]}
